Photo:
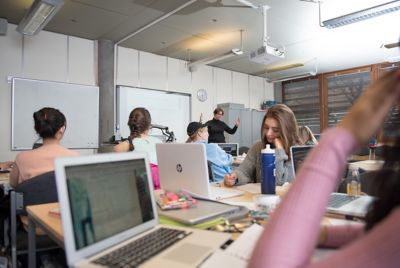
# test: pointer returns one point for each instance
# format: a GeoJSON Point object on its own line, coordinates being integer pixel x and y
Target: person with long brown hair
{"type": "Point", "coordinates": [291, 233]}
{"type": "Point", "coordinates": [140, 140]}
{"type": "Point", "coordinates": [280, 130]}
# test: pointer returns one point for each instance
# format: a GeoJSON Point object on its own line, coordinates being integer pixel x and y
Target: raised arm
{"type": "Point", "coordinates": [290, 236]}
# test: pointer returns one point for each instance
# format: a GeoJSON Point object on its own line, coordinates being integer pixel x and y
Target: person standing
{"type": "Point", "coordinates": [217, 127]}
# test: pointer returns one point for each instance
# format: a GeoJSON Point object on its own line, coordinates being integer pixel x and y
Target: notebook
{"type": "Point", "coordinates": [230, 148]}
{"type": "Point", "coordinates": [107, 206]}
{"type": "Point", "coordinates": [339, 203]}
{"type": "Point", "coordinates": [184, 166]}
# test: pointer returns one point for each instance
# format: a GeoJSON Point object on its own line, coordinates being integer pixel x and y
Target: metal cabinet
{"type": "Point", "coordinates": [250, 123]}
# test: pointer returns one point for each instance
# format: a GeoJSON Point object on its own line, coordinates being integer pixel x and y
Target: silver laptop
{"type": "Point", "coordinates": [339, 203]}
{"type": "Point", "coordinates": [184, 166]}
{"type": "Point", "coordinates": [230, 148]}
{"type": "Point", "coordinates": [107, 206]}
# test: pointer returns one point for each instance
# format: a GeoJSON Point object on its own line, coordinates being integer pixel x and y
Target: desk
{"type": "Point", "coordinates": [50, 224]}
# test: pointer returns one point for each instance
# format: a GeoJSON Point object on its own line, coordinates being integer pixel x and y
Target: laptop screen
{"type": "Point", "coordinates": [107, 198]}
{"type": "Point", "coordinates": [230, 148]}
{"type": "Point", "coordinates": [298, 155]}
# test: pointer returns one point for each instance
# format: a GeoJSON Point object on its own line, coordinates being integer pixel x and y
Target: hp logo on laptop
{"type": "Point", "coordinates": [179, 168]}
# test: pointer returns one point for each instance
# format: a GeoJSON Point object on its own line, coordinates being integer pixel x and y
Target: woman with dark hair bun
{"type": "Point", "coordinates": [50, 125]}
{"type": "Point", "coordinates": [140, 140]}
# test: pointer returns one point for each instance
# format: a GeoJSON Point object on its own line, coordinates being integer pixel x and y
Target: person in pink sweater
{"type": "Point", "coordinates": [291, 234]}
{"type": "Point", "coordinates": [50, 125]}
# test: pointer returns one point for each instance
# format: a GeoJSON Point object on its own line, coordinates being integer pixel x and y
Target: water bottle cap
{"type": "Point", "coordinates": [268, 150]}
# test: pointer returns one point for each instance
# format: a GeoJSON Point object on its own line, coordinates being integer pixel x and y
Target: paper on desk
{"type": "Point", "coordinates": [249, 205]}
{"type": "Point", "coordinates": [254, 188]}
{"type": "Point", "coordinates": [239, 252]}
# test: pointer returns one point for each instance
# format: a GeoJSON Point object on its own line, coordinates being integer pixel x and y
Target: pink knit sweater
{"type": "Point", "coordinates": [290, 236]}
{"type": "Point", "coordinates": [38, 161]}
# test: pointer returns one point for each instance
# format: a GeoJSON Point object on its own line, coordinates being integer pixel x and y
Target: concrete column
{"type": "Point", "coordinates": [107, 90]}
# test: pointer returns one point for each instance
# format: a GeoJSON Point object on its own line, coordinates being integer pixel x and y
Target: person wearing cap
{"type": "Point", "coordinates": [217, 127]}
{"type": "Point", "coordinates": [221, 162]}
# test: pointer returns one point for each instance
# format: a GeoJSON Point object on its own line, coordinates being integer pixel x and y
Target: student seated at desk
{"type": "Point", "coordinates": [221, 161]}
{"type": "Point", "coordinates": [290, 235]}
{"type": "Point", "coordinates": [279, 128]}
{"type": "Point", "coordinates": [306, 136]}
{"type": "Point", "coordinates": [140, 140]}
{"type": "Point", "coordinates": [50, 124]}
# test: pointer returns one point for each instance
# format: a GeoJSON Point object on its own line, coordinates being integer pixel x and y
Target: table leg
{"type": "Point", "coordinates": [31, 243]}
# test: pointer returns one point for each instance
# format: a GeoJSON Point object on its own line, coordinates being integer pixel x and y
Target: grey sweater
{"type": "Point", "coordinates": [250, 168]}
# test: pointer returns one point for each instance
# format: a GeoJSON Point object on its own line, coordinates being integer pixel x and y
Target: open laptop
{"type": "Point", "coordinates": [108, 209]}
{"type": "Point", "coordinates": [339, 203]}
{"type": "Point", "coordinates": [230, 148]}
{"type": "Point", "coordinates": [184, 166]}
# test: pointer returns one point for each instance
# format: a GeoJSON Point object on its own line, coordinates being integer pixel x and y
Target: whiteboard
{"type": "Point", "coordinates": [79, 104]}
{"type": "Point", "coordinates": [166, 108]}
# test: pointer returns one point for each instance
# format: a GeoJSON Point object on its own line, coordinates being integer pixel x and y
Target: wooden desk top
{"type": "Point", "coordinates": [4, 178]}
{"type": "Point", "coordinates": [52, 223]}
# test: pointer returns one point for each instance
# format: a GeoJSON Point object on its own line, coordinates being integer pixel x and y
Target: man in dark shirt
{"type": "Point", "coordinates": [216, 127]}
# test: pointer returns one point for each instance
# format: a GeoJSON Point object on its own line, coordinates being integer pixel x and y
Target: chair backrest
{"type": "Point", "coordinates": [210, 172]}
{"type": "Point", "coordinates": [243, 149]}
{"type": "Point", "coordinates": [38, 190]}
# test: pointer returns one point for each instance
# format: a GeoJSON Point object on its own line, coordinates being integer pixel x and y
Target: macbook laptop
{"type": "Point", "coordinates": [230, 148]}
{"type": "Point", "coordinates": [184, 166]}
{"type": "Point", "coordinates": [339, 203]}
{"type": "Point", "coordinates": [109, 216]}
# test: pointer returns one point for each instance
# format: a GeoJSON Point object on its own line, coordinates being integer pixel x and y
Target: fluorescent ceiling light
{"type": "Point", "coordinates": [362, 15]}
{"type": "Point", "coordinates": [391, 45]}
{"type": "Point", "coordinates": [38, 15]}
{"type": "Point", "coordinates": [291, 77]}
{"type": "Point", "coordinates": [234, 52]}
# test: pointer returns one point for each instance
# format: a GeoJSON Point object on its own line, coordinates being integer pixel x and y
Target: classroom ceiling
{"type": "Point", "coordinates": [212, 27]}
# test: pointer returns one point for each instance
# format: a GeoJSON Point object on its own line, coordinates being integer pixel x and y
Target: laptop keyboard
{"type": "Point", "coordinates": [140, 250]}
{"type": "Point", "coordinates": [336, 201]}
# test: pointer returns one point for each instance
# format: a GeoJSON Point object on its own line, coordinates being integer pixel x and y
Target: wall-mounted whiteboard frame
{"type": "Point", "coordinates": [167, 108]}
{"type": "Point", "coordinates": [79, 104]}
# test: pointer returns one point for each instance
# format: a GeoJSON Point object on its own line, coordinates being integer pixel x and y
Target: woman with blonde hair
{"type": "Point", "coordinates": [306, 136]}
{"type": "Point", "coordinates": [280, 130]}
{"type": "Point", "coordinates": [221, 162]}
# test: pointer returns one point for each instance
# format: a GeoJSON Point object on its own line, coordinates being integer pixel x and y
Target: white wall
{"type": "Point", "coordinates": [57, 57]}
{"type": "Point", "coordinates": [141, 69]}
{"type": "Point", "coordinates": [46, 56]}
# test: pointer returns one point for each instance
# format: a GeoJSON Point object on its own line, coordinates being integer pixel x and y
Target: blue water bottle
{"type": "Point", "coordinates": [268, 170]}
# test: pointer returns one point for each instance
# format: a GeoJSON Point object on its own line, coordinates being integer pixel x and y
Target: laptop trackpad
{"type": "Point", "coordinates": [188, 253]}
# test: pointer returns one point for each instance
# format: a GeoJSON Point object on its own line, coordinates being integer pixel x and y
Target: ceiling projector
{"type": "Point", "coordinates": [267, 54]}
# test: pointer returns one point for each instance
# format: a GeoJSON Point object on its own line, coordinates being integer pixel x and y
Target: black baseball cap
{"type": "Point", "coordinates": [193, 127]}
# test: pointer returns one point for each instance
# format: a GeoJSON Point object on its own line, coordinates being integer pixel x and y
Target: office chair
{"type": "Point", "coordinates": [38, 190]}
{"type": "Point", "coordinates": [243, 149]}
{"type": "Point", "coordinates": [210, 172]}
